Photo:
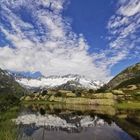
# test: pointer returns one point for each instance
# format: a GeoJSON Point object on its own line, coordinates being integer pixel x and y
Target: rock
{"type": "Point", "coordinates": [36, 94]}
{"type": "Point", "coordinates": [43, 97]}
{"type": "Point", "coordinates": [70, 94]}
{"type": "Point", "coordinates": [118, 92]}
{"type": "Point", "coordinates": [27, 98]}
{"type": "Point", "coordinates": [35, 98]}
{"type": "Point", "coordinates": [22, 98]}
{"type": "Point", "coordinates": [103, 96]}
{"type": "Point", "coordinates": [64, 91]}
{"type": "Point", "coordinates": [131, 87]}
{"type": "Point", "coordinates": [51, 99]}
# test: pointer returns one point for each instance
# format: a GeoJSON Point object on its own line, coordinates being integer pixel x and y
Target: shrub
{"type": "Point", "coordinates": [8, 100]}
{"type": "Point", "coordinates": [73, 91]}
{"type": "Point", "coordinates": [91, 91]}
{"type": "Point", "coordinates": [58, 94]}
{"type": "Point", "coordinates": [102, 89]}
{"type": "Point", "coordinates": [44, 92]}
{"type": "Point", "coordinates": [78, 94]}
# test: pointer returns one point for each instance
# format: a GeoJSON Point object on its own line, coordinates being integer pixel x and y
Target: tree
{"type": "Point", "coordinates": [58, 94]}
{"type": "Point", "coordinates": [101, 89]}
{"type": "Point", "coordinates": [78, 94]}
{"type": "Point", "coordinates": [91, 91]}
{"type": "Point", "coordinates": [44, 92]}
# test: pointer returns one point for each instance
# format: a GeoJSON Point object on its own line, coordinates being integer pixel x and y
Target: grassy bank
{"type": "Point", "coordinates": [128, 105]}
{"type": "Point", "coordinates": [70, 98]}
{"type": "Point", "coordinates": [8, 130]}
{"type": "Point", "coordinates": [83, 101]}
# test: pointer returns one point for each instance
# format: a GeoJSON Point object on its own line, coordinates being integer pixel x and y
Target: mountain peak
{"type": "Point", "coordinates": [55, 81]}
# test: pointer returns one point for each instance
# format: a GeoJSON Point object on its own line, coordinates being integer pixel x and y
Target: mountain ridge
{"type": "Point", "coordinates": [130, 75]}
{"type": "Point", "coordinates": [10, 91]}
{"type": "Point", "coordinates": [8, 83]}
{"type": "Point", "coordinates": [57, 81]}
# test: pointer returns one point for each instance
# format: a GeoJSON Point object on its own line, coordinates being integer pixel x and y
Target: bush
{"type": "Point", "coordinates": [7, 101]}
{"type": "Point", "coordinates": [58, 94]}
{"type": "Point", "coordinates": [91, 91]}
{"type": "Point", "coordinates": [78, 94]}
{"type": "Point", "coordinates": [73, 91]}
{"type": "Point", "coordinates": [44, 92]}
{"type": "Point", "coordinates": [32, 95]}
{"type": "Point", "coordinates": [102, 89]}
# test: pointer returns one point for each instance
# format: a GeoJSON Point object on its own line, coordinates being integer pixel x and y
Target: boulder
{"type": "Point", "coordinates": [27, 98]}
{"type": "Point", "coordinates": [118, 92]}
{"type": "Point", "coordinates": [103, 96]}
{"type": "Point", "coordinates": [70, 94]}
{"type": "Point", "coordinates": [131, 87]}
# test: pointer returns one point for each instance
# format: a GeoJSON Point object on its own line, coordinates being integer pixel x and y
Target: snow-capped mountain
{"type": "Point", "coordinates": [70, 80]}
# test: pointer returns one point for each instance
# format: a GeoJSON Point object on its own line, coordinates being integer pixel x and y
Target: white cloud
{"type": "Point", "coordinates": [58, 50]}
{"type": "Point", "coordinates": [129, 8]}
{"type": "Point", "coordinates": [123, 27]}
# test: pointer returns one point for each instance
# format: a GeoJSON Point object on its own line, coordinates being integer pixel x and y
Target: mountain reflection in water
{"type": "Point", "coordinates": [48, 123]}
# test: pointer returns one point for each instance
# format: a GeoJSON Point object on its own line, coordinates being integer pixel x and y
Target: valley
{"type": "Point", "coordinates": [69, 69]}
{"type": "Point", "coordinates": [25, 100]}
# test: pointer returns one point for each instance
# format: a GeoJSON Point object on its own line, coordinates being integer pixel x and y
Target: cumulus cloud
{"type": "Point", "coordinates": [56, 50]}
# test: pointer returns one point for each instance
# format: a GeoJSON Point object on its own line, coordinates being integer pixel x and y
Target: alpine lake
{"type": "Point", "coordinates": [53, 121]}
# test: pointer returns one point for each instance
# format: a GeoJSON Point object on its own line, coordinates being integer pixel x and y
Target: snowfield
{"type": "Point", "coordinates": [55, 81]}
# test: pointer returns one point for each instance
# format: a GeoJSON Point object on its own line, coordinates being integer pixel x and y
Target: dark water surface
{"type": "Point", "coordinates": [74, 122]}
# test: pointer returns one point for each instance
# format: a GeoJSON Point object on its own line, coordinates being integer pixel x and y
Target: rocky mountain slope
{"type": "Point", "coordinates": [63, 82]}
{"type": "Point", "coordinates": [129, 76]}
{"type": "Point", "coordinates": [8, 85]}
{"type": "Point", "coordinates": [10, 91]}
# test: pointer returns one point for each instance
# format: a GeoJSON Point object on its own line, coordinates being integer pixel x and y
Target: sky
{"type": "Point", "coordinates": [95, 38]}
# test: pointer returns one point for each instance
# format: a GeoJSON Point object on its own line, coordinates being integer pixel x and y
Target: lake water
{"type": "Point", "coordinates": [76, 122]}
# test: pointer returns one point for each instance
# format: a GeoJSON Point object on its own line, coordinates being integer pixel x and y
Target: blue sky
{"type": "Point", "coordinates": [91, 19]}
{"type": "Point", "coordinates": [95, 38]}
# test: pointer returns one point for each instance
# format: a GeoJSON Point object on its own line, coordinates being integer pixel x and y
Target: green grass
{"type": "Point", "coordinates": [8, 100]}
{"type": "Point", "coordinates": [128, 105]}
{"type": "Point", "coordinates": [37, 102]}
{"type": "Point", "coordinates": [8, 130]}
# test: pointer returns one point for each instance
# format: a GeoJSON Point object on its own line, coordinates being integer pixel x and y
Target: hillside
{"type": "Point", "coordinates": [9, 85]}
{"type": "Point", "coordinates": [10, 90]}
{"type": "Point", "coordinates": [129, 76]}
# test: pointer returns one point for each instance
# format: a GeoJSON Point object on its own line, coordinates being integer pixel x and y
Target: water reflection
{"type": "Point", "coordinates": [52, 122]}
{"type": "Point", "coordinates": [42, 111]}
